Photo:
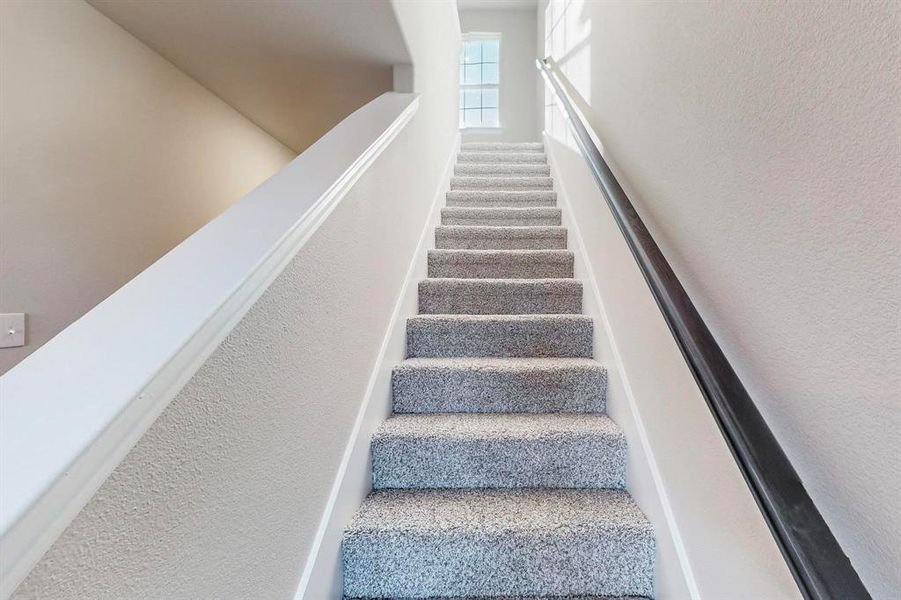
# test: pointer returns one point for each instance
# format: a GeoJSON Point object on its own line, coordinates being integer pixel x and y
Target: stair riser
{"type": "Point", "coordinates": [501, 199]}
{"type": "Point", "coordinates": [462, 240]}
{"type": "Point", "coordinates": [513, 147]}
{"type": "Point", "coordinates": [571, 562]}
{"type": "Point", "coordinates": [501, 170]}
{"type": "Point", "coordinates": [566, 460]}
{"type": "Point", "coordinates": [489, 217]}
{"type": "Point", "coordinates": [502, 157]}
{"type": "Point", "coordinates": [494, 391]}
{"type": "Point", "coordinates": [435, 298]}
{"type": "Point", "coordinates": [501, 183]}
{"type": "Point", "coordinates": [447, 265]}
{"type": "Point", "coordinates": [564, 338]}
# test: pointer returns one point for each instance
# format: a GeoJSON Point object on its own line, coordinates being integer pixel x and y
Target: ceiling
{"type": "Point", "coordinates": [294, 68]}
{"type": "Point", "coordinates": [497, 4]}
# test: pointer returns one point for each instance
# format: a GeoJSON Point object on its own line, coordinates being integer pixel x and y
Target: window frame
{"type": "Point", "coordinates": [473, 37]}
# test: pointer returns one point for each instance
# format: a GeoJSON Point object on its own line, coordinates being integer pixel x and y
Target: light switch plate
{"type": "Point", "coordinates": [12, 330]}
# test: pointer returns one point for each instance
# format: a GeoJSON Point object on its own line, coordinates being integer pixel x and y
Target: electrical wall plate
{"type": "Point", "coordinates": [12, 330]}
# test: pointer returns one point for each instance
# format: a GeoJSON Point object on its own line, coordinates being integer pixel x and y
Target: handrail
{"type": "Point", "coordinates": [71, 411]}
{"type": "Point", "coordinates": [817, 562]}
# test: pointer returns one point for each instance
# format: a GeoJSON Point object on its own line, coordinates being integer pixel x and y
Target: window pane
{"type": "Point", "coordinates": [489, 117]}
{"type": "Point", "coordinates": [472, 118]}
{"type": "Point", "coordinates": [490, 49]}
{"type": "Point", "coordinates": [461, 119]}
{"type": "Point", "coordinates": [473, 98]}
{"type": "Point", "coordinates": [472, 52]}
{"type": "Point", "coordinates": [473, 75]}
{"type": "Point", "coordinates": [461, 73]}
{"type": "Point", "coordinates": [489, 73]}
{"type": "Point", "coordinates": [489, 98]}
{"type": "Point", "coordinates": [461, 99]}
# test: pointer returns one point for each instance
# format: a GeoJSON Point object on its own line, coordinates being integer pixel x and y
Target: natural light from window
{"type": "Point", "coordinates": [479, 80]}
{"type": "Point", "coordinates": [566, 40]}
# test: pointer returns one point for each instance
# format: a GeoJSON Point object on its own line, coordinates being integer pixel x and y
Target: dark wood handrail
{"type": "Point", "coordinates": [817, 562]}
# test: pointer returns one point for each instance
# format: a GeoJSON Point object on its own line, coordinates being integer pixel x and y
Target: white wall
{"type": "Point", "coordinates": [760, 142]}
{"type": "Point", "coordinates": [712, 541]}
{"type": "Point", "coordinates": [223, 496]}
{"type": "Point", "coordinates": [109, 157]}
{"type": "Point", "coordinates": [518, 105]}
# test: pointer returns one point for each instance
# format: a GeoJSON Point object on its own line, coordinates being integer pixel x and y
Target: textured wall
{"type": "Point", "coordinates": [518, 105]}
{"type": "Point", "coordinates": [762, 143]}
{"type": "Point", "coordinates": [110, 156]}
{"type": "Point", "coordinates": [221, 498]}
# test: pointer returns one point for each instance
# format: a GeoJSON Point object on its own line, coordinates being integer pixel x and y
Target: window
{"type": "Point", "coordinates": [479, 78]}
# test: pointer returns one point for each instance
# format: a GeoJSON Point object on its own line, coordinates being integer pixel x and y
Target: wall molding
{"type": "Point", "coordinates": [40, 505]}
{"type": "Point", "coordinates": [321, 574]}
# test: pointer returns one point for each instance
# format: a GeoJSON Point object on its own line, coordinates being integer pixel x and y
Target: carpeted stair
{"type": "Point", "coordinates": [499, 475]}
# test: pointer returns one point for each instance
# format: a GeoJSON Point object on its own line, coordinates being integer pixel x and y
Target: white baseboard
{"type": "Point", "coordinates": [321, 577]}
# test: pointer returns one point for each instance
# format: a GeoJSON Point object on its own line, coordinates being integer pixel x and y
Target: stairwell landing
{"type": "Point", "coordinates": [499, 475]}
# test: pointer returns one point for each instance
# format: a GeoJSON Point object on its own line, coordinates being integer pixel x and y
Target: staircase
{"type": "Point", "coordinates": [499, 474]}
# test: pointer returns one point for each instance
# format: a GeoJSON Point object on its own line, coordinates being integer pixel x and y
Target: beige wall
{"type": "Point", "coordinates": [109, 157]}
{"type": "Point", "coordinates": [760, 141]}
{"type": "Point", "coordinates": [295, 68]}
{"type": "Point", "coordinates": [223, 496]}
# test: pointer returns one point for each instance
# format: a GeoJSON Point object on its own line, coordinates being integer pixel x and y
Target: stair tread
{"type": "Point", "coordinates": [499, 450]}
{"type": "Point", "coordinates": [502, 169]}
{"type": "Point", "coordinates": [500, 182]}
{"type": "Point", "coordinates": [486, 426]}
{"type": "Point", "coordinates": [504, 362]}
{"type": "Point", "coordinates": [554, 254]}
{"type": "Point", "coordinates": [499, 385]}
{"type": "Point", "coordinates": [500, 237]}
{"type": "Point", "coordinates": [498, 512]}
{"type": "Point", "coordinates": [549, 285]}
{"type": "Point", "coordinates": [491, 542]}
{"type": "Point", "coordinates": [502, 318]}
{"type": "Point", "coordinates": [460, 263]}
{"type": "Point", "coordinates": [512, 211]}
{"type": "Point", "coordinates": [581, 597]}
{"type": "Point", "coordinates": [454, 295]}
{"type": "Point", "coordinates": [504, 230]}
{"type": "Point", "coordinates": [501, 198]}
{"type": "Point", "coordinates": [566, 335]}
{"type": "Point", "coordinates": [502, 216]}
{"type": "Point", "coordinates": [502, 146]}
{"type": "Point", "coordinates": [510, 598]}
{"type": "Point", "coordinates": [502, 157]}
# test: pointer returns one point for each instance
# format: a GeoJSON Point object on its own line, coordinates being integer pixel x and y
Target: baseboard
{"type": "Point", "coordinates": [644, 480]}
{"type": "Point", "coordinates": [321, 577]}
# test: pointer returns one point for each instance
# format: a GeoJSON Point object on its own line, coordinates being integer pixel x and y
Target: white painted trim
{"type": "Point", "coordinates": [352, 479]}
{"type": "Point", "coordinates": [73, 409]}
{"type": "Point", "coordinates": [575, 235]}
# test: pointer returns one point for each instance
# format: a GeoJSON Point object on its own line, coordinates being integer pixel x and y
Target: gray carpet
{"type": "Point", "coordinates": [476, 237]}
{"type": "Point", "coordinates": [497, 169]}
{"type": "Point", "coordinates": [500, 296]}
{"type": "Point", "coordinates": [499, 474]}
{"type": "Point", "coordinates": [506, 182]}
{"type": "Point", "coordinates": [501, 198]}
{"type": "Point", "coordinates": [501, 216]}
{"type": "Point", "coordinates": [528, 336]}
{"type": "Point", "coordinates": [508, 157]}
